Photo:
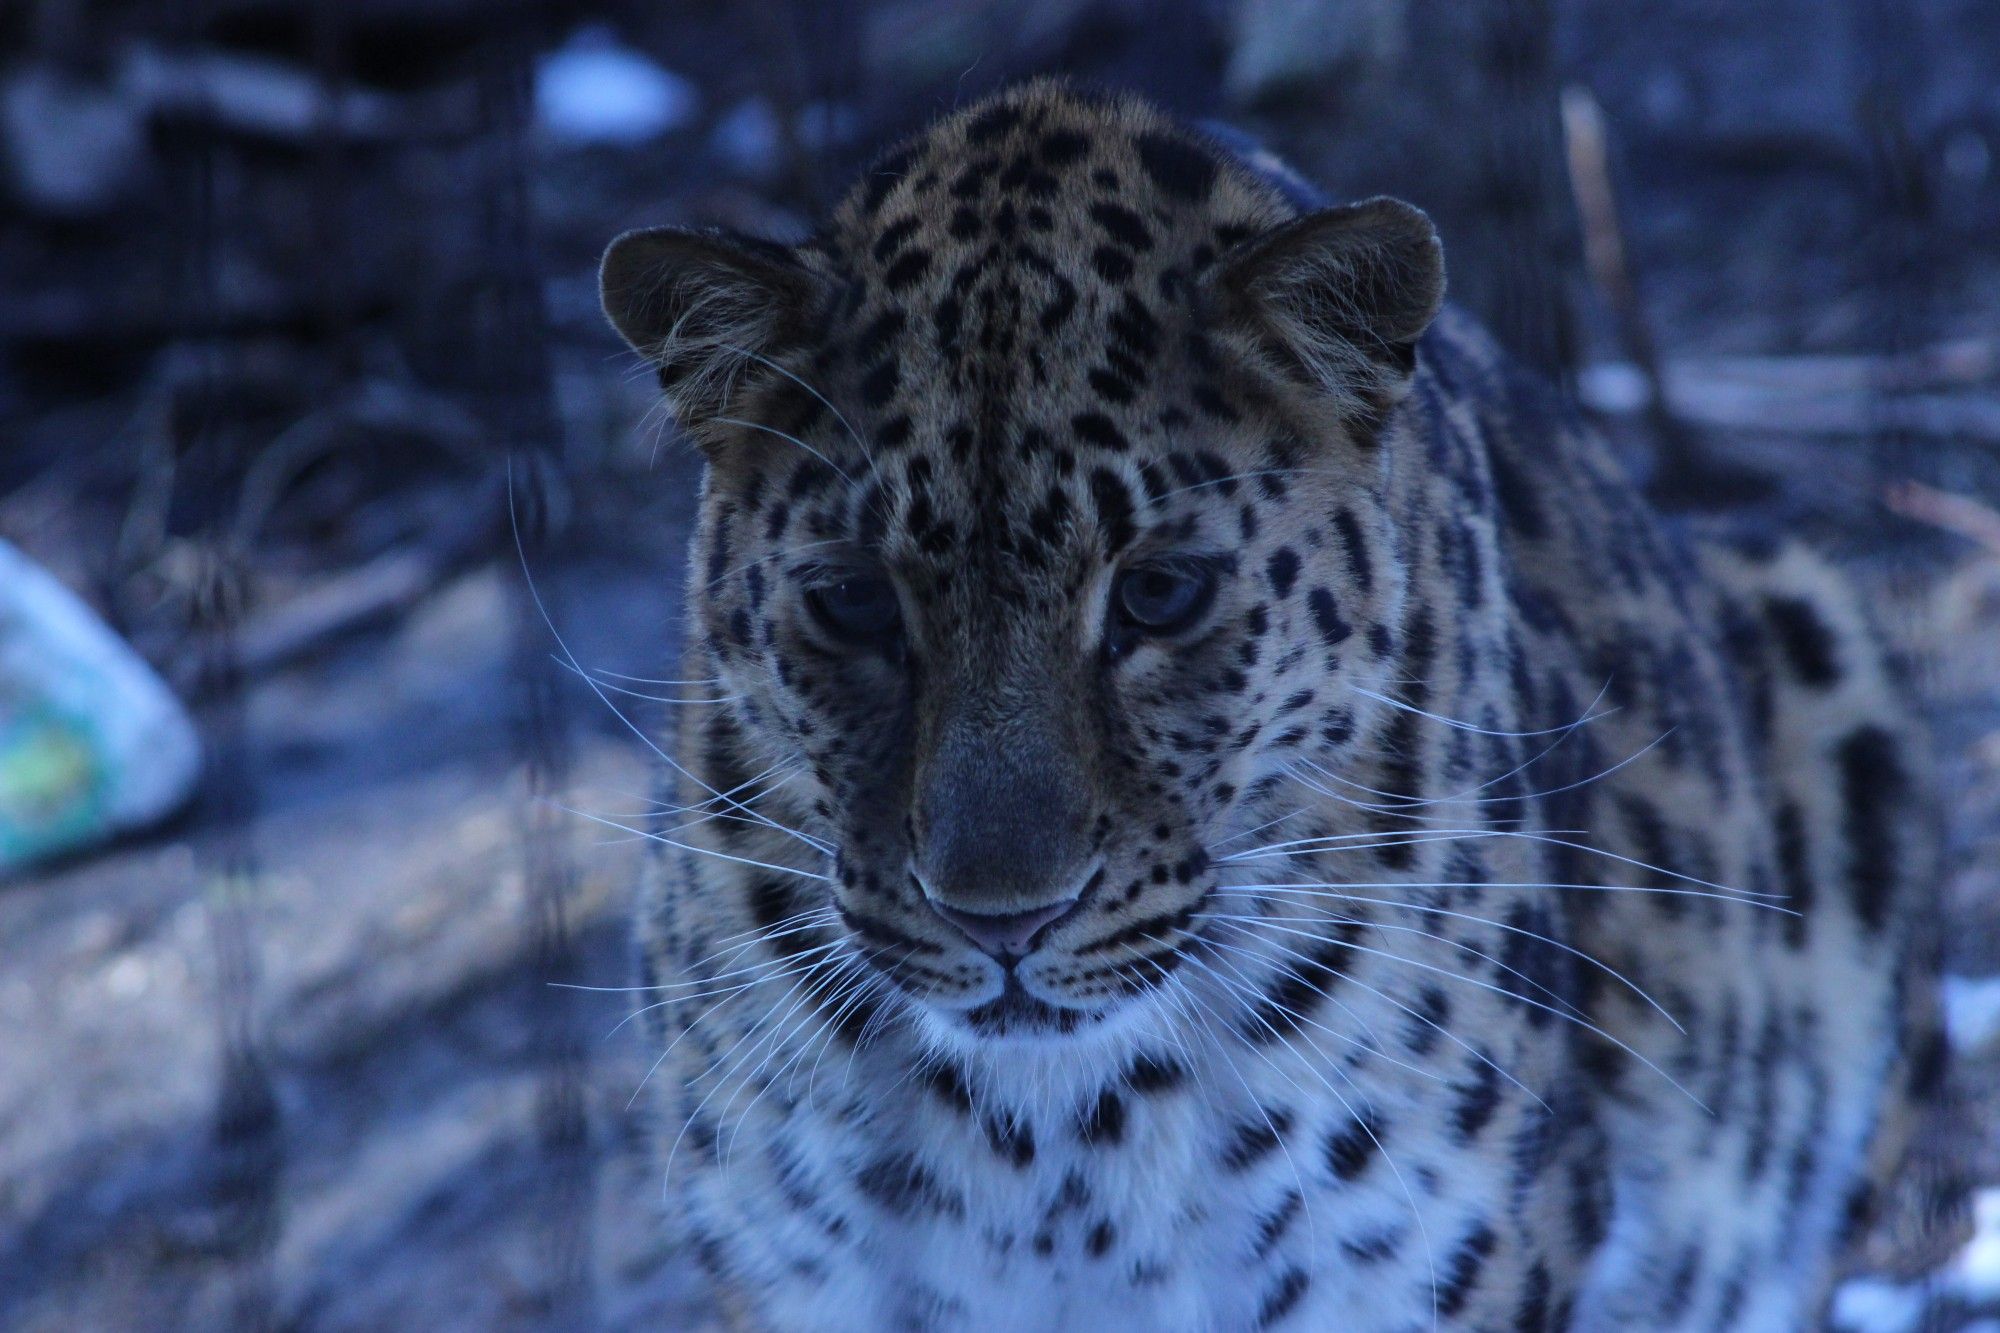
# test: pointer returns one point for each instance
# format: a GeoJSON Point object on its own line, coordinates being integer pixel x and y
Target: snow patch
{"type": "Point", "coordinates": [1617, 387]}
{"type": "Point", "coordinates": [595, 90]}
{"type": "Point", "coordinates": [749, 137]}
{"type": "Point", "coordinates": [1971, 1010]}
{"type": "Point", "coordinates": [1874, 1305]}
{"type": "Point", "coordinates": [1976, 1272]}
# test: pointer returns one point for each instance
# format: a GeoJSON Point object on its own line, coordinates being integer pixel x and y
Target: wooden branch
{"type": "Point", "coordinates": [1969, 518]}
{"type": "Point", "coordinates": [334, 606]}
{"type": "Point", "coordinates": [1584, 143]}
{"type": "Point", "coordinates": [351, 600]}
{"type": "Point", "coordinates": [1687, 471]}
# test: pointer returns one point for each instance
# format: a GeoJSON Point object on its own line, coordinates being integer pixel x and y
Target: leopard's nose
{"type": "Point", "coordinates": [1005, 935]}
{"type": "Point", "coordinates": [1001, 819]}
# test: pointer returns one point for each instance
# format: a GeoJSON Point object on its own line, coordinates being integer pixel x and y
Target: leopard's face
{"type": "Point", "coordinates": [1042, 546]}
{"type": "Point", "coordinates": [1010, 693]}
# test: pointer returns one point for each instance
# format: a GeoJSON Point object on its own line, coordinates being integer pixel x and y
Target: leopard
{"type": "Point", "coordinates": [1204, 798]}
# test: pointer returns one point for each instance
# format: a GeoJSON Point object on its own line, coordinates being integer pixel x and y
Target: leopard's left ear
{"type": "Point", "coordinates": [1339, 296]}
{"type": "Point", "coordinates": [713, 310]}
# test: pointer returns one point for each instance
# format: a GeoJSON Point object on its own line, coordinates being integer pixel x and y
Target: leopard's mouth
{"type": "Point", "coordinates": [1016, 1013]}
{"type": "Point", "coordinates": [1055, 989]}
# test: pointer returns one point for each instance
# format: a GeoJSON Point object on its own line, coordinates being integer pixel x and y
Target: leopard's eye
{"type": "Point", "coordinates": [860, 609]}
{"type": "Point", "coordinates": [1162, 599]}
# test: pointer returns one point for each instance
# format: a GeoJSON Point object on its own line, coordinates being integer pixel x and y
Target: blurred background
{"type": "Point", "coordinates": [322, 482]}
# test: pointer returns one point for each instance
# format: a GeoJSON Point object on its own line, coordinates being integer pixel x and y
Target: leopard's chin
{"type": "Point", "coordinates": [1017, 1013]}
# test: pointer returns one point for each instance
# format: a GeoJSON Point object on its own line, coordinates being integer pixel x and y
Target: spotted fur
{"type": "Point", "coordinates": [1493, 909]}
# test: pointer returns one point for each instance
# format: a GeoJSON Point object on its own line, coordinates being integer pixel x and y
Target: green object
{"type": "Point", "coordinates": [92, 743]}
{"type": "Point", "coordinates": [51, 789]}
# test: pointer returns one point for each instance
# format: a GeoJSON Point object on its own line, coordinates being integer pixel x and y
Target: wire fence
{"type": "Point", "coordinates": [483, 341]}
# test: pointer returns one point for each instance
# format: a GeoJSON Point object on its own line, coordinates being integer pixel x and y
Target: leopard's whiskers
{"type": "Point", "coordinates": [1237, 476]}
{"type": "Point", "coordinates": [1358, 842]}
{"type": "Point", "coordinates": [854, 435]}
{"type": "Point", "coordinates": [655, 680]}
{"type": "Point", "coordinates": [1368, 1044]}
{"type": "Point", "coordinates": [776, 779]}
{"type": "Point", "coordinates": [770, 1023]}
{"type": "Point", "coordinates": [706, 981]}
{"type": "Point", "coordinates": [1259, 828]}
{"type": "Point", "coordinates": [885, 1013]}
{"type": "Point", "coordinates": [715, 1000]}
{"type": "Point", "coordinates": [541, 609]}
{"type": "Point", "coordinates": [870, 986]}
{"type": "Point", "coordinates": [1381, 809]}
{"type": "Point", "coordinates": [686, 1029]}
{"type": "Point", "coordinates": [824, 849]}
{"type": "Point", "coordinates": [1348, 978]}
{"type": "Point", "coordinates": [767, 556]}
{"type": "Point", "coordinates": [708, 851]}
{"type": "Point", "coordinates": [1476, 884]}
{"type": "Point", "coordinates": [630, 693]}
{"type": "Point", "coordinates": [1221, 1048]}
{"type": "Point", "coordinates": [835, 988]}
{"type": "Point", "coordinates": [1371, 924]}
{"type": "Point", "coordinates": [1460, 724]}
{"type": "Point", "coordinates": [1393, 801]}
{"type": "Point", "coordinates": [1562, 734]}
{"type": "Point", "coordinates": [1373, 1044]}
{"type": "Point", "coordinates": [600, 676]}
{"type": "Point", "coordinates": [1448, 973]}
{"type": "Point", "coordinates": [1416, 1214]}
{"type": "Point", "coordinates": [791, 439]}
{"type": "Point", "coordinates": [701, 810]}
{"type": "Point", "coordinates": [752, 969]}
{"type": "Point", "coordinates": [824, 913]}
{"type": "Point", "coordinates": [1263, 890]}
{"type": "Point", "coordinates": [1398, 804]}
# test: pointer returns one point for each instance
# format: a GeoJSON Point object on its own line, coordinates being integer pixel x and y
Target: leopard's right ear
{"type": "Point", "coordinates": [1338, 299]}
{"type": "Point", "coordinates": [713, 310]}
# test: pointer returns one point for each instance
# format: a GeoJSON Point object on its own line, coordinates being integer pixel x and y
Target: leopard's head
{"type": "Point", "coordinates": [1043, 526]}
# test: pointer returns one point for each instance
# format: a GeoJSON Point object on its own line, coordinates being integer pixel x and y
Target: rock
{"type": "Point", "coordinates": [1282, 46]}
{"type": "Point", "coordinates": [750, 138]}
{"type": "Point", "coordinates": [256, 95]}
{"type": "Point", "coordinates": [72, 148]}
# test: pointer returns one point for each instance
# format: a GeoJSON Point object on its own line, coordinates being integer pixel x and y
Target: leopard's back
{"type": "Point", "coordinates": [1753, 787]}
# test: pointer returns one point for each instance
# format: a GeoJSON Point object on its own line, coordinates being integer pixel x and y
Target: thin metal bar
{"type": "Point", "coordinates": [520, 411]}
